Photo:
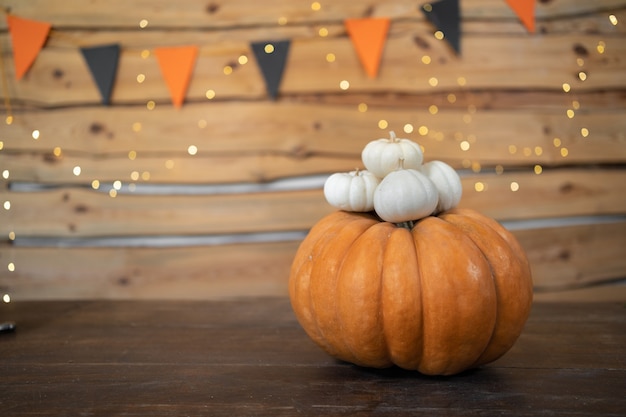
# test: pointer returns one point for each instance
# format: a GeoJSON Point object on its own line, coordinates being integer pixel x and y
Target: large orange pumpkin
{"type": "Point", "coordinates": [452, 293]}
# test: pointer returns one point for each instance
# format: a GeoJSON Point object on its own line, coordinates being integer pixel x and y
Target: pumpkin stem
{"type": "Point", "coordinates": [392, 136]}
{"type": "Point", "coordinates": [407, 225]}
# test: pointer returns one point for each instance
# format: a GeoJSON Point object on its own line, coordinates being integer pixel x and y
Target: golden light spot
{"type": "Point", "coordinates": [134, 175]}
{"type": "Point", "coordinates": [461, 81]}
{"type": "Point", "coordinates": [5, 174]}
{"type": "Point", "coordinates": [556, 142]}
{"type": "Point", "coordinates": [580, 62]}
{"type": "Point", "coordinates": [1, 145]}
{"type": "Point", "coordinates": [584, 132]}
{"type": "Point", "coordinates": [362, 107]}
{"type": "Point", "coordinates": [382, 124]}
{"type": "Point", "coordinates": [11, 267]}
{"type": "Point", "coordinates": [202, 123]}
{"type": "Point", "coordinates": [141, 78]}
{"type": "Point", "coordinates": [143, 23]}
{"type": "Point", "coordinates": [282, 20]}
{"type": "Point", "coordinates": [613, 19]}
{"type": "Point", "coordinates": [169, 164]}
{"type": "Point", "coordinates": [439, 35]}
{"type": "Point", "coordinates": [479, 186]}
{"type": "Point", "coordinates": [576, 104]}
{"type": "Point", "coordinates": [564, 152]}
{"type": "Point", "coordinates": [7, 205]}
{"type": "Point", "coordinates": [433, 81]}
{"type": "Point", "coordinates": [76, 170]}
{"type": "Point", "coordinates": [316, 6]}
{"type": "Point", "coordinates": [512, 149]}
{"type": "Point", "coordinates": [145, 175]}
{"type": "Point", "coordinates": [451, 98]}
{"type": "Point", "coordinates": [11, 235]}
{"type": "Point", "coordinates": [582, 75]}
{"type": "Point", "coordinates": [132, 155]}
{"type": "Point", "coordinates": [422, 130]}
{"type": "Point", "coordinates": [499, 169]}
{"type": "Point", "coordinates": [330, 57]}
{"type": "Point", "coordinates": [6, 298]}
{"type": "Point", "coordinates": [323, 32]}
{"type": "Point", "coordinates": [514, 186]}
{"type": "Point", "coordinates": [427, 7]}
{"type": "Point", "coordinates": [464, 145]}
{"type": "Point", "coordinates": [145, 53]}
{"type": "Point", "coordinates": [35, 134]}
{"type": "Point", "coordinates": [112, 193]}
{"type": "Point", "coordinates": [432, 109]}
{"type": "Point", "coordinates": [117, 185]}
{"type": "Point", "coordinates": [408, 128]}
{"type": "Point", "coordinates": [567, 87]}
{"type": "Point", "coordinates": [192, 150]}
{"type": "Point", "coordinates": [9, 120]}
{"type": "Point", "coordinates": [344, 84]}
{"type": "Point", "coordinates": [243, 60]}
{"type": "Point", "coordinates": [210, 94]}
{"type": "Point", "coordinates": [95, 184]}
{"type": "Point", "coordinates": [538, 169]}
{"type": "Point", "coordinates": [466, 163]}
{"type": "Point", "coordinates": [476, 167]}
{"type": "Point", "coordinates": [426, 59]}
{"type": "Point", "coordinates": [269, 48]}
{"type": "Point", "coordinates": [228, 70]}
{"type": "Point", "coordinates": [538, 150]}
{"type": "Point", "coordinates": [150, 105]}
{"type": "Point", "coordinates": [136, 127]}
{"type": "Point", "coordinates": [601, 46]}
{"type": "Point", "coordinates": [57, 151]}
{"type": "Point", "coordinates": [527, 151]}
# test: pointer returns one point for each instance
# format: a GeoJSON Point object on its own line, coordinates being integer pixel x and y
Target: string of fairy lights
{"type": "Point", "coordinates": [465, 141]}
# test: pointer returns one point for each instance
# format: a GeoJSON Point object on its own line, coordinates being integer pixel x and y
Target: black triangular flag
{"type": "Point", "coordinates": [102, 61]}
{"type": "Point", "coordinates": [446, 16]}
{"type": "Point", "coordinates": [271, 57]}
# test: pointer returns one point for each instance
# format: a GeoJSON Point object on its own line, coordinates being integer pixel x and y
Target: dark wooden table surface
{"type": "Point", "coordinates": [251, 358]}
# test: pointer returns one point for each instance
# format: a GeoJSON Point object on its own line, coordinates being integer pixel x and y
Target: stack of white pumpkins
{"type": "Point", "coordinates": [396, 184]}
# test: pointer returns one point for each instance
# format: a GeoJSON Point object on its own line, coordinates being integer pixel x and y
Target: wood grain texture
{"type": "Point", "coordinates": [252, 358]}
{"type": "Point", "coordinates": [498, 112]}
{"type": "Point", "coordinates": [566, 263]}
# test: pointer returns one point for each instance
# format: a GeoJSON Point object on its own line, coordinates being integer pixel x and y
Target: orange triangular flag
{"type": "Point", "coordinates": [368, 36]}
{"type": "Point", "coordinates": [525, 10]}
{"type": "Point", "coordinates": [27, 38]}
{"type": "Point", "coordinates": [176, 67]}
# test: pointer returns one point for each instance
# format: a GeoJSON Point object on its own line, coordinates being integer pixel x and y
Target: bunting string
{"type": "Point", "coordinates": [368, 37]}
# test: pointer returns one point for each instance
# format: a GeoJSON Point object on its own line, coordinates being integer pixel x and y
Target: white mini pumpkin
{"type": "Point", "coordinates": [405, 195]}
{"type": "Point", "coordinates": [351, 191]}
{"type": "Point", "coordinates": [448, 184]}
{"type": "Point", "coordinates": [381, 156]}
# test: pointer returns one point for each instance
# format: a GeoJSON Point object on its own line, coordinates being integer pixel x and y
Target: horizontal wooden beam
{"type": "Point", "coordinates": [569, 260]}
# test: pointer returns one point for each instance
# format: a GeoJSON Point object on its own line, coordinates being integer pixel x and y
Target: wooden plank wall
{"type": "Point", "coordinates": [226, 221]}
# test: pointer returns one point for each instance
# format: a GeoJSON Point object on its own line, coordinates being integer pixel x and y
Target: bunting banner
{"type": "Point", "coordinates": [102, 62]}
{"type": "Point", "coordinates": [177, 64]}
{"type": "Point", "coordinates": [27, 38]}
{"type": "Point", "coordinates": [271, 57]}
{"type": "Point", "coordinates": [525, 10]}
{"type": "Point", "coordinates": [446, 16]}
{"type": "Point", "coordinates": [368, 37]}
